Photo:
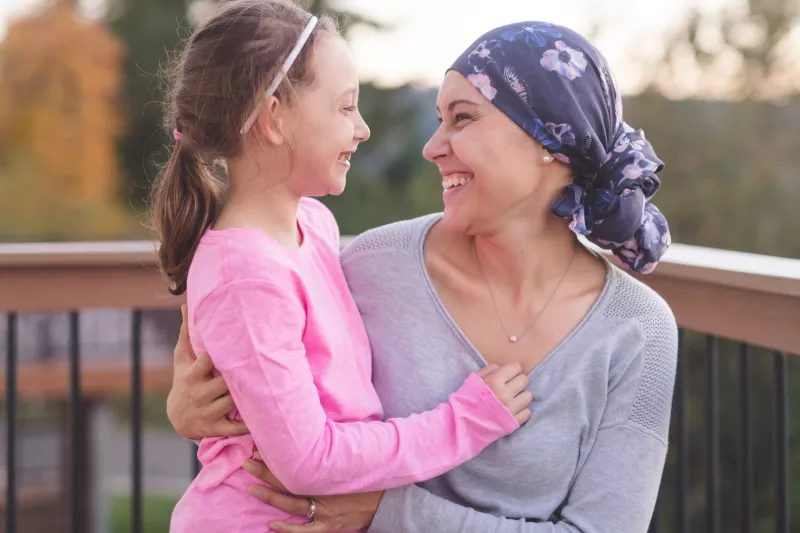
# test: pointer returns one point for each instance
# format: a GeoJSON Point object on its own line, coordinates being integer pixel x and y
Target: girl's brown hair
{"type": "Point", "coordinates": [217, 81]}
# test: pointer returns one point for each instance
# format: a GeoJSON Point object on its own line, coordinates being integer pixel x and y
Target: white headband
{"type": "Point", "coordinates": [281, 73]}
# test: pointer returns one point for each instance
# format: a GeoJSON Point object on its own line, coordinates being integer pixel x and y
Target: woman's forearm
{"type": "Point", "coordinates": [615, 491]}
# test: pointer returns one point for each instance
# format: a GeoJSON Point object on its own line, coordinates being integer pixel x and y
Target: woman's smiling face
{"type": "Point", "coordinates": [491, 169]}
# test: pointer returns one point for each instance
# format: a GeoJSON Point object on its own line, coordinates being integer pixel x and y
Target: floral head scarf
{"type": "Point", "coordinates": [557, 87]}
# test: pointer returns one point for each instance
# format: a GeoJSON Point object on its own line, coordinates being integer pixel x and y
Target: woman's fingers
{"type": "Point", "coordinates": [183, 353]}
{"type": "Point", "coordinates": [220, 407]}
{"type": "Point", "coordinates": [226, 428]}
{"type": "Point", "coordinates": [313, 527]}
{"type": "Point", "coordinates": [211, 389]}
{"type": "Point", "coordinates": [202, 368]}
{"type": "Point", "coordinates": [293, 505]}
{"type": "Point", "coordinates": [259, 469]}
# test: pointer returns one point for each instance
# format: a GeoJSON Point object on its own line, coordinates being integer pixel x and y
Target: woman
{"type": "Point", "coordinates": [532, 150]}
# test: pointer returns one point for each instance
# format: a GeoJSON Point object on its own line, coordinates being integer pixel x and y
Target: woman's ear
{"type": "Point", "coordinates": [543, 155]}
{"type": "Point", "coordinates": [271, 120]}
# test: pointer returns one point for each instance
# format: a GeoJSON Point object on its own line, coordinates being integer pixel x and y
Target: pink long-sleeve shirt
{"type": "Point", "coordinates": [282, 328]}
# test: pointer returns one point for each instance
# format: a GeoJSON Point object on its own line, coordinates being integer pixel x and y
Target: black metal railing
{"type": "Point", "coordinates": [745, 457]}
{"type": "Point", "coordinates": [712, 442]}
{"type": "Point", "coordinates": [136, 422]}
{"type": "Point", "coordinates": [680, 443]}
{"type": "Point", "coordinates": [676, 510]}
{"type": "Point", "coordinates": [76, 469]}
{"type": "Point", "coordinates": [77, 500]}
{"type": "Point", "coordinates": [781, 398]}
{"type": "Point", "coordinates": [684, 519]}
{"type": "Point", "coordinates": [11, 423]}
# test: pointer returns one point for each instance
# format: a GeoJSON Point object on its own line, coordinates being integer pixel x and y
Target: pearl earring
{"type": "Point", "coordinates": [547, 159]}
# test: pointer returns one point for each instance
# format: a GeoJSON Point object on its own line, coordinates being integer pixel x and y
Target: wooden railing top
{"type": "Point", "coordinates": [742, 270]}
{"type": "Point", "coordinates": [722, 267]}
{"type": "Point", "coordinates": [743, 296]}
{"type": "Point", "coordinates": [80, 254]}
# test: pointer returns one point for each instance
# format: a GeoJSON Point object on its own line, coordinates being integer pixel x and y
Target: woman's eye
{"type": "Point", "coordinates": [462, 116]}
{"type": "Point", "coordinates": [351, 108]}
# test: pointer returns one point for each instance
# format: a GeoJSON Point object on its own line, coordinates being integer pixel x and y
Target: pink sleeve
{"type": "Point", "coordinates": [252, 330]}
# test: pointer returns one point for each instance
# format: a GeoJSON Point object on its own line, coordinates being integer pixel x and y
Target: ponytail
{"type": "Point", "coordinates": [187, 199]}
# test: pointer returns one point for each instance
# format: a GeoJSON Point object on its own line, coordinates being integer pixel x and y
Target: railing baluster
{"type": "Point", "coordinates": [681, 442]}
{"type": "Point", "coordinates": [745, 459]}
{"type": "Point", "coordinates": [136, 421]}
{"type": "Point", "coordinates": [11, 423]}
{"type": "Point", "coordinates": [74, 424]}
{"type": "Point", "coordinates": [781, 444]}
{"type": "Point", "coordinates": [196, 466]}
{"type": "Point", "coordinates": [712, 443]}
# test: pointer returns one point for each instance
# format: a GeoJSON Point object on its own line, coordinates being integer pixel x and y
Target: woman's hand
{"type": "Point", "coordinates": [347, 512]}
{"type": "Point", "coordinates": [198, 402]}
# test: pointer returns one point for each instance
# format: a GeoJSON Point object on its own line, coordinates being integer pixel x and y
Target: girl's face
{"type": "Point", "coordinates": [323, 126]}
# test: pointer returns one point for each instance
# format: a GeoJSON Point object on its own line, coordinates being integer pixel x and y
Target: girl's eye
{"type": "Point", "coordinates": [351, 108]}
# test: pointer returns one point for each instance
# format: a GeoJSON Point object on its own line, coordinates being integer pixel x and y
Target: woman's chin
{"type": "Point", "coordinates": [455, 219]}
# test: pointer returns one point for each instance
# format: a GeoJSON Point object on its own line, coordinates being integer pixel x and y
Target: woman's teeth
{"type": "Point", "coordinates": [344, 158]}
{"type": "Point", "coordinates": [455, 181]}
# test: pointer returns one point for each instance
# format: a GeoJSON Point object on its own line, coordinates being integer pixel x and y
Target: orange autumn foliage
{"type": "Point", "coordinates": [60, 119]}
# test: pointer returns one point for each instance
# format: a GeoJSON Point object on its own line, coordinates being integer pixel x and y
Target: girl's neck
{"type": "Point", "coordinates": [262, 204]}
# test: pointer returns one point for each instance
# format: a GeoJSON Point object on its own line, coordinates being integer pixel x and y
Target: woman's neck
{"type": "Point", "coordinates": [520, 259]}
{"type": "Point", "coordinates": [258, 202]}
{"type": "Point", "coordinates": [525, 260]}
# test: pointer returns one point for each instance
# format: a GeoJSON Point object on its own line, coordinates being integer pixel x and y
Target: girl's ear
{"type": "Point", "coordinates": [270, 121]}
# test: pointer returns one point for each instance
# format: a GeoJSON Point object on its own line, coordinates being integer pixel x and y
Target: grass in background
{"type": "Point", "coordinates": [156, 512]}
{"type": "Point", "coordinates": [154, 411]}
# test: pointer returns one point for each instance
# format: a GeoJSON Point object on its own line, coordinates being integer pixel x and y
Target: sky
{"type": "Point", "coordinates": [428, 35]}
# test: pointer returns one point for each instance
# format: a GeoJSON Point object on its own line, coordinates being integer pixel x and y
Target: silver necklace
{"type": "Point", "coordinates": [515, 338]}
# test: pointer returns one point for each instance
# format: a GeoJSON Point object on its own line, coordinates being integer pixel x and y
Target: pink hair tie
{"type": "Point", "coordinates": [177, 135]}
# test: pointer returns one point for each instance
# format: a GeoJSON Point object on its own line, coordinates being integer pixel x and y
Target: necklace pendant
{"type": "Point", "coordinates": [513, 338]}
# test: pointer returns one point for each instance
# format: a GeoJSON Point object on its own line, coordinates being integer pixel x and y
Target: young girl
{"type": "Point", "coordinates": [270, 92]}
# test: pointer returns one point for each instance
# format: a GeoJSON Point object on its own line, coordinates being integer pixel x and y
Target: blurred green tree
{"type": "Point", "coordinates": [147, 29]}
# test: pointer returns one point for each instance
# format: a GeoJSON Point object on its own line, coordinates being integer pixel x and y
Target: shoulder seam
{"type": "Point", "coordinates": [361, 253]}
{"type": "Point", "coordinates": [403, 232]}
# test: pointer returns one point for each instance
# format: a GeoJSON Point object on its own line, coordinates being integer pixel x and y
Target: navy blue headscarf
{"type": "Point", "coordinates": [558, 88]}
